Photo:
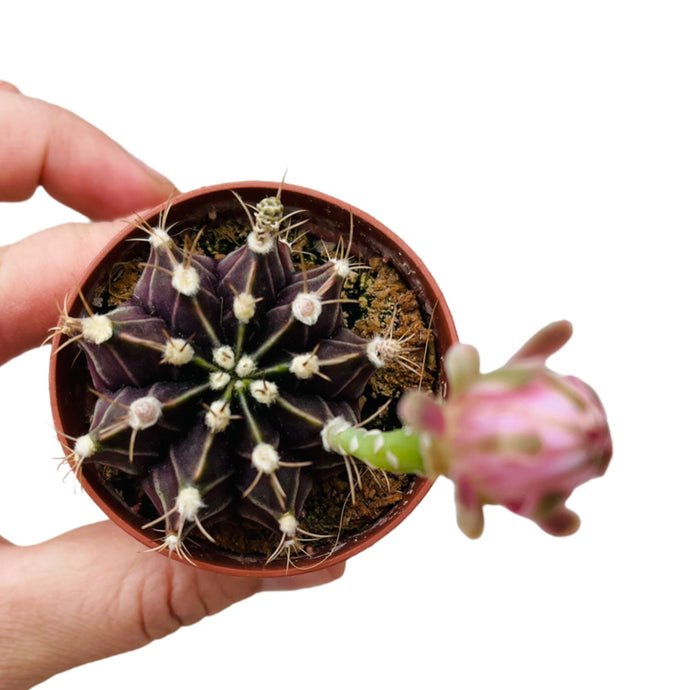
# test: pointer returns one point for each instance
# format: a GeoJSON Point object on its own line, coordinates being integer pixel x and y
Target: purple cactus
{"type": "Point", "coordinates": [216, 378]}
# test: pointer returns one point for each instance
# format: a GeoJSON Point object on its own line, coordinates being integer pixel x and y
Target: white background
{"type": "Point", "coordinates": [537, 156]}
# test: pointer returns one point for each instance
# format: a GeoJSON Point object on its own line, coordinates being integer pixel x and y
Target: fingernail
{"type": "Point", "coordinates": [158, 178]}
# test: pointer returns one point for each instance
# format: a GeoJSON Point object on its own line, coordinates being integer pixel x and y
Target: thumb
{"type": "Point", "coordinates": [92, 593]}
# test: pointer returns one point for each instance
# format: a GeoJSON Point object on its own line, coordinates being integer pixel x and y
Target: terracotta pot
{"type": "Point", "coordinates": [69, 379]}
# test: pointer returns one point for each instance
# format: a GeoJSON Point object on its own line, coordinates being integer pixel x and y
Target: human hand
{"type": "Point", "coordinates": [90, 593]}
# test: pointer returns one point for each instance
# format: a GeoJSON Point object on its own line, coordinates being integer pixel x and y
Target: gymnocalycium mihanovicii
{"type": "Point", "coordinates": [216, 377]}
{"type": "Point", "coordinates": [227, 384]}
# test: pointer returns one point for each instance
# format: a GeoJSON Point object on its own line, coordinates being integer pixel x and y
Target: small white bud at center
{"type": "Point", "coordinates": [144, 412]}
{"type": "Point", "coordinates": [186, 280]}
{"type": "Point", "coordinates": [219, 379]}
{"type": "Point", "coordinates": [265, 392]}
{"type": "Point", "coordinates": [306, 308]}
{"type": "Point", "coordinates": [224, 357]}
{"type": "Point", "coordinates": [218, 416]}
{"type": "Point", "coordinates": [97, 329]}
{"type": "Point", "coordinates": [245, 367]}
{"type": "Point", "coordinates": [265, 458]}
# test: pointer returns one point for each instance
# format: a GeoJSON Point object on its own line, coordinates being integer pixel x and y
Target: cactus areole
{"type": "Point", "coordinates": [198, 371]}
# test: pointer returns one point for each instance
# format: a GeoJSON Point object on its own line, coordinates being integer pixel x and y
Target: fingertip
{"type": "Point", "coordinates": [77, 164]}
{"type": "Point", "coordinates": [8, 88]}
{"type": "Point", "coordinates": [135, 187]}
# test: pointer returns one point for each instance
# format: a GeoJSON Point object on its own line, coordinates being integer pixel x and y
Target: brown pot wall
{"type": "Point", "coordinates": [69, 379]}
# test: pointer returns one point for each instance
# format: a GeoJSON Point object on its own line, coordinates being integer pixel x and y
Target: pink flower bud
{"type": "Point", "coordinates": [522, 436]}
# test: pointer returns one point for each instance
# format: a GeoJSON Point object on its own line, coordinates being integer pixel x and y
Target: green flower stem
{"type": "Point", "coordinates": [397, 451]}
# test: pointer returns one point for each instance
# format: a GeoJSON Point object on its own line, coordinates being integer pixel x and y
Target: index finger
{"type": "Point", "coordinates": [44, 145]}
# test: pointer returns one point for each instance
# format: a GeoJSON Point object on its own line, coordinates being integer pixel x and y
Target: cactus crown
{"type": "Point", "coordinates": [215, 378]}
